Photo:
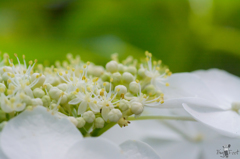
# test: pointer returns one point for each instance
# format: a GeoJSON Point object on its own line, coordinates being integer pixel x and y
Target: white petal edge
{"type": "Point", "coordinates": [138, 150]}
{"type": "Point", "coordinates": [225, 122]}
{"type": "Point", "coordinates": [38, 134]}
{"type": "Point", "coordinates": [91, 148]}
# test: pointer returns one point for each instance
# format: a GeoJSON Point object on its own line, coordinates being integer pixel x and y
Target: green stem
{"type": "Point", "coordinates": [162, 118]}
{"type": "Point", "coordinates": [97, 132]}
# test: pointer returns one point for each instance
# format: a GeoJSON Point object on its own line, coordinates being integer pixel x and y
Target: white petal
{"type": "Point", "coordinates": [186, 85]}
{"type": "Point", "coordinates": [28, 92]}
{"type": "Point", "coordinates": [94, 107]}
{"type": "Point", "coordinates": [222, 83]}
{"type": "Point", "coordinates": [105, 111]}
{"type": "Point", "coordinates": [193, 101]}
{"type": "Point", "coordinates": [226, 122]}
{"type": "Point", "coordinates": [38, 134]}
{"type": "Point", "coordinates": [91, 148]}
{"type": "Point", "coordinates": [82, 107]}
{"type": "Point", "coordinates": [75, 101]}
{"type": "Point", "coordinates": [23, 105]}
{"type": "Point", "coordinates": [2, 155]}
{"type": "Point", "coordinates": [137, 149]}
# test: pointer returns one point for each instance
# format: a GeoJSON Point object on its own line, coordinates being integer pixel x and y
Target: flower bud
{"type": "Point", "coordinates": [41, 80]}
{"type": "Point", "coordinates": [48, 86]}
{"type": "Point", "coordinates": [89, 116]}
{"type": "Point", "coordinates": [120, 68]}
{"type": "Point", "coordinates": [136, 108]}
{"type": "Point", "coordinates": [121, 89]}
{"type": "Point", "coordinates": [116, 77]}
{"type": "Point", "coordinates": [46, 100]}
{"type": "Point", "coordinates": [114, 115]}
{"type": "Point", "coordinates": [112, 66]}
{"type": "Point", "coordinates": [124, 105]}
{"type": "Point", "coordinates": [141, 72]}
{"type": "Point", "coordinates": [150, 89]}
{"type": "Point", "coordinates": [134, 87]}
{"type": "Point", "coordinates": [105, 76]}
{"type": "Point", "coordinates": [127, 77]}
{"type": "Point", "coordinates": [81, 122]}
{"type": "Point", "coordinates": [54, 81]}
{"type": "Point", "coordinates": [132, 70]}
{"type": "Point", "coordinates": [5, 76]}
{"type": "Point", "coordinates": [55, 93]}
{"type": "Point", "coordinates": [37, 101]}
{"type": "Point", "coordinates": [99, 122]}
{"type": "Point", "coordinates": [73, 120]}
{"type": "Point", "coordinates": [38, 93]}
{"type": "Point", "coordinates": [62, 86]}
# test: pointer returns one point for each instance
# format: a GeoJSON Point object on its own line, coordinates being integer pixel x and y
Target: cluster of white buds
{"type": "Point", "coordinates": [84, 93]}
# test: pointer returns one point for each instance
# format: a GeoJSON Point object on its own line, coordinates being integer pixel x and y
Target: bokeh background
{"type": "Point", "coordinates": [186, 35]}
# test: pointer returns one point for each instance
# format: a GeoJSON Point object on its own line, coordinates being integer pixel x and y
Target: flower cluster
{"type": "Point", "coordinates": [90, 96]}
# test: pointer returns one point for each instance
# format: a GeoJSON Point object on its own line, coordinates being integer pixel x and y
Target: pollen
{"type": "Point", "coordinates": [118, 89]}
{"type": "Point", "coordinates": [137, 80]}
{"type": "Point", "coordinates": [73, 69]}
{"type": "Point", "coordinates": [23, 56]}
{"type": "Point", "coordinates": [111, 79]}
{"type": "Point", "coordinates": [60, 74]}
{"type": "Point", "coordinates": [81, 71]}
{"type": "Point", "coordinates": [84, 66]}
{"type": "Point", "coordinates": [95, 102]}
{"type": "Point", "coordinates": [88, 63]}
{"type": "Point", "coordinates": [9, 81]}
{"type": "Point", "coordinates": [77, 90]}
{"type": "Point", "coordinates": [107, 104]}
{"type": "Point", "coordinates": [30, 62]}
{"type": "Point", "coordinates": [104, 84]}
{"type": "Point", "coordinates": [83, 77]}
{"type": "Point", "coordinates": [122, 95]}
{"type": "Point", "coordinates": [167, 84]}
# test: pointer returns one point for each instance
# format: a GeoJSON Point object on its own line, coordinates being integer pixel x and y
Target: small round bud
{"type": "Point", "coordinates": [48, 86]}
{"type": "Point", "coordinates": [99, 122]}
{"type": "Point", "coordinates": [134, 87]}
{"type": "Point", "coordinates": [121, 89]}
{"type": "Point", "coordinates": [141, 72]}
{"type": "Point", "coordinates": [46, 100]}
{"type": "Point", "coordinates": [127, 77]}
{"type": "Point", "coordinates": [81, 122]}
{"type": "Point", "coordinates": [41, 78]}
{"type": "Point", "coordinates": [37, 101]}
{"type": "Point", "coordinates": [105, 76]}
{"type": "Point", "coordinates": [120, 68]}
{"type": "Point", "coordinates": [55, 93]}
{"type": "Point", "coordinates": [38, 93]}
{"type": "Point", "coordinates": [89, 116]}
{"type": "Point", "coordinates": [73, 120]}
{"type": "Point", "coordinates": [5, 76]}
{"type": "Point", "coordinates": [150, 89]}
{"type": "Point", "coordinates": [136, 108]}
{"type": "Point", "coordinates": [124, 105]}
{"type": "Point", "coordinates": [54, 81]}
{"type": "Point", "coordinates": [132, 70]}
{"type": "Point", "coordinates": [116, 77]}
{"type": "Point", "coordinates": [112, 66]}
{"type": "Point", "coordinates": [114, 115]}
{"type": "Point", "coordinates": [62, 86]}
{"type": "Point", "coordinates": [96, 71]}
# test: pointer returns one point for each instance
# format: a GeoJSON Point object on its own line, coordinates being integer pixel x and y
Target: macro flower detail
{"type": "Point", "coordinates": [38, 134]}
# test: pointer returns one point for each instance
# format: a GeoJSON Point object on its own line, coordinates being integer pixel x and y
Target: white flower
{"type": "Point", "coordinates": [85, 100]}
{"type": "Point", "coordinates": [175, 139]}
{"type": "Point", "coordinates": [11, 104]}
{"type": "Point", "coordinates": [221, 107]}
{"type": "Point", "coordinates": [38, 134]}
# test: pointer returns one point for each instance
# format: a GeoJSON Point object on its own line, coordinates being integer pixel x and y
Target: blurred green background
{"type": "Point", "coordinates": [186, 35]}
